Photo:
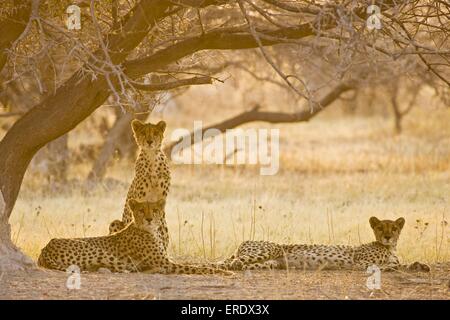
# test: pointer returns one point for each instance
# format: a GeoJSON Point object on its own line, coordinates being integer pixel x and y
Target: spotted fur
{"type": "Point", "coordinates": [253, 255]}
{"type": "Point", "coordinates": [138, 247]}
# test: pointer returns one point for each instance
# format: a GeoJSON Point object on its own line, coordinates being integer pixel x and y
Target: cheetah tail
{"type": "Point", "coordinates": [227, 264]}
{"type": "Point", "coordinates": [191, 269]}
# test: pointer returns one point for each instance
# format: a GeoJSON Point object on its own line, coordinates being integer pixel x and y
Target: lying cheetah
{"type": "Point", "coordinates": [152, 176]}
{"type": "Point", "coordinates": [138, 247]}
{"type": "Point", "coordinates": [253, 255]}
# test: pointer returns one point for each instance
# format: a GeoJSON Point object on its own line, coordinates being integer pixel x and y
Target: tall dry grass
{"type": "Point", "coordinates": [334, 175]}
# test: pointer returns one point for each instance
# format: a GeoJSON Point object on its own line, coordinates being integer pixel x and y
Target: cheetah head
{"type": "Point", "coordinates": [147, 215]}
{"type": "Point", "coordinates": [148, 136]}
{"type": "Point", "coordinates": [387, 231]}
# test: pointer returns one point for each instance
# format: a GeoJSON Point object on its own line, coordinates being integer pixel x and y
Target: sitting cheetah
{"type": "Point", "coordinates": [152, 176]}
{"type": "Point", "coordinates": [253, 255]}
{"type": "Point", "coordinates": [138, 247]}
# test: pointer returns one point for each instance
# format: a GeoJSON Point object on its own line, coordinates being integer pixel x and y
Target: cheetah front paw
{"type": "Point", "coordinates": [418, 267]}
{"type": "Point", "coordinates": [103, 270]}
{"type": "Point", "coordinates": [237, 265]}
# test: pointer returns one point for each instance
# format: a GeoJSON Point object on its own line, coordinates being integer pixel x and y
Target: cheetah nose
{"type": "Point", "coordinates": [387, 237]}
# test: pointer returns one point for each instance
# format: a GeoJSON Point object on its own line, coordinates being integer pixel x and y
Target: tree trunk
{"type": "Point", "coordinates": [10, 256]}
{"type": "Point", "coordinates": [52, 161]}
{"type": "Point", "coordinates": [398, 115]}
{"type": "Point", "coordinates": [119, 137]}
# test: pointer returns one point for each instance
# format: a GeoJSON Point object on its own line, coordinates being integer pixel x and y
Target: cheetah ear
{"type": "Point", "coordinates": [400, 222]}
{"type": "Point", "coordinates": [161, 126]}
{"type": "Point", "coordinates": [137, 126]}
{"type": "Point", "coordinates": [133, 204]}
{"type": "Point", "coordinates": [374, 222]}
{"type": "Point", "coordinates": [137, 214]}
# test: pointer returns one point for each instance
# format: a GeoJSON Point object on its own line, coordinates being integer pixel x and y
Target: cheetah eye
{"type": "Point", "coordinates": [394, 229]}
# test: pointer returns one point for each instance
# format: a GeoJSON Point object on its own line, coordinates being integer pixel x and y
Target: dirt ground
{"type": "Point", "coordinates": [295, 284]}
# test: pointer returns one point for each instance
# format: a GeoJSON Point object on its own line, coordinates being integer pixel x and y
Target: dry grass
{"type": "Point", "coordinates": [334, 175]}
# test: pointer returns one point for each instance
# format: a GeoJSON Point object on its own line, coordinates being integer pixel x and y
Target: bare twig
{"type": "Point", "coordinates": [172, 84]}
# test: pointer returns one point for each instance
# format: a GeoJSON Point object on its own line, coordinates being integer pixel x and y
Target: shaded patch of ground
{"type": "Point", "coordinates": [295, 284]}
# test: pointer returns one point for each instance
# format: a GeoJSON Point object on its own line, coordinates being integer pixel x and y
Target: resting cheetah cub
{"type": "Point", "coordinates": [269, 255]}
{"type": "Point", "coordinates": [138, 247]}
{"type": "Point", "coordinates": [152, 176]}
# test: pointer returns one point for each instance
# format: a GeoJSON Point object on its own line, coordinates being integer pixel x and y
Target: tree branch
{"type": "Point", "coordinates": [231, 39]}
{"type": "Point", "coordinates": [172, 84]}
{"type": "Point", "coordinates": [222, 39]}
{"type": "Point", "coordinates": [271, 117]}
{"type": "Point", "coordinates": [10, 114]}
{"type": "Point", "coordinates": [12, 27]}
